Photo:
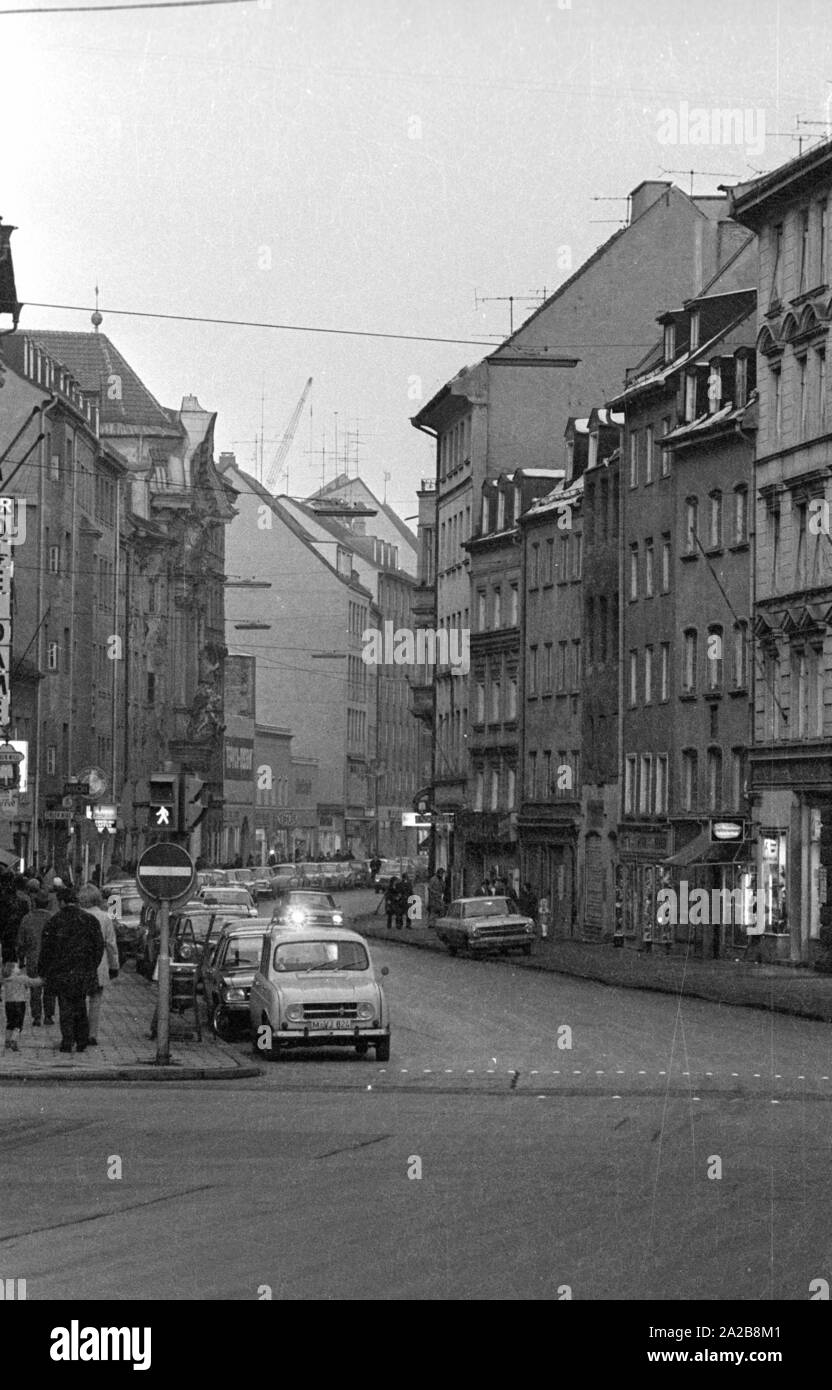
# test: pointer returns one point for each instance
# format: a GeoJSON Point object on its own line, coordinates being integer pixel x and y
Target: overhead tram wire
{"type": "Point", "coordinates": [131, 5]}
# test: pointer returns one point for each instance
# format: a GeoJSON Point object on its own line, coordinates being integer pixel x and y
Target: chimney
{"type": "Point", "coordinates": [226, 461]}
{"type": "Point", "coordinates": [646, 195]}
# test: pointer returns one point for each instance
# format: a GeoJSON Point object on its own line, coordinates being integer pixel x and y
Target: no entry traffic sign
{"type": "Point", "coordinates": [166, 872]}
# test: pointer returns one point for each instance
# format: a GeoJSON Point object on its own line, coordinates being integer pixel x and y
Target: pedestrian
{"type": "Point", "coordinates": [16, 986]}
{"type": "Point", "coordinates": [527, 902]}
{"type": "Point", "coordinates": [391, 901]}
{"type": "Point", "coordinates": [70, 954]}
{"type": "Point", "coordinates": [12, 911]}
{"type": "Point", "coordinates": [89, 898]}
{"type": "Point", "coordinates": [29, 936]}
{"type": "Point", "coordinates": [436, 897]}
{"type": "Point", "coordinates": [403, 895]}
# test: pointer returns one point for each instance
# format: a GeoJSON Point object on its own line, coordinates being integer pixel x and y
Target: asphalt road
{"type": "Point", "coordinates": [543, 1166]}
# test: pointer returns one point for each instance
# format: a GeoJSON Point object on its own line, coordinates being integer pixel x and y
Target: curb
{"type": "Point", "coordinates": [690, 991]}
{"type": "Point", "coordinates": [133, 1073]}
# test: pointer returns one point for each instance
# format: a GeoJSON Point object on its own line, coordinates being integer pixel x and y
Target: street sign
{"type": "Point", "coordinates": [166, 872]}
{"type": "Point", "coordinates": [57, 815]}
{"type": "Point", "coordinates": [76, 788]}
{"type": "Point", "coordinates": [8, 805]}
{"type": "Point", "coordinates": [412, 820]}
{"type": "Point", "coordinates": [722, 830]}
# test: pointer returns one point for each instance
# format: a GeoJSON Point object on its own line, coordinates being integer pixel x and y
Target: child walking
{"type": "Point", "coordinates": [16, 985]}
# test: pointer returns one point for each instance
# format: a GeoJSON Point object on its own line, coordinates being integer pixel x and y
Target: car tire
{"type": "Point", "coordinates": [361, 1049]}
{"type": "Point", "coordinates": [219, 1022]}
{"type": "Point", "coordinates": [383, 1050]}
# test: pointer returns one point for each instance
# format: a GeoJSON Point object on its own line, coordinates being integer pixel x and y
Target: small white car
{"type": "Point", "coordinates": [485, 924]}
{"type": "Point", "coordinates": [318, 988]}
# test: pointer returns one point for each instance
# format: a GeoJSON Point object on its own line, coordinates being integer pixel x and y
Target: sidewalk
{"type": "Point", "coordinates": [124, 1051]}
{"type": "Point", "coordinates": [778, 988]}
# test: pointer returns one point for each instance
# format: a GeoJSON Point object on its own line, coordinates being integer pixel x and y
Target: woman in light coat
{"type": "Point", "coordinates": [91, 901]}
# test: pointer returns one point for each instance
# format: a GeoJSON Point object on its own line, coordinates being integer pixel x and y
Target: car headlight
{"type": "Point", "coordinates": [297, 917]}
{"type": "Point", "coordinates": [366, 1011]}
{"type": "Point", "coordinates": [337, 919]}
{"type": "Point", "coordinates": [234, 994]}
{"type": "Point", "coordinates": [294, 1013]}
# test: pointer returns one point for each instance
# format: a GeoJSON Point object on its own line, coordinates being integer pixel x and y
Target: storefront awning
{"type": "Point", "coordinates": [701, 850]}
{"type": "Point", "coordinates": [9, 858]}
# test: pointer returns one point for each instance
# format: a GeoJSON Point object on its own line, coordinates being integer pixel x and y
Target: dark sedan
{"type": "Point", "coordinates": [302, 908]}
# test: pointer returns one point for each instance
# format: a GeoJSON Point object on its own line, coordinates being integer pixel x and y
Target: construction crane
{"type": "Point", "coordinates": [276, 470]}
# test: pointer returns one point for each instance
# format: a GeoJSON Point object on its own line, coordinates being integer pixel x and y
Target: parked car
{"type": "Point", "coordinates": [319, 991]}
{"type": "Point", "coordinates": [222, 898]}
{"type": "Point", "coordinates": [485, 924]}
{"type": "Point", "coordinates": [257, 881]}
{"type": "Point", "coordinates": [333, 876]}
{"type": "Point", "coordinates": [124, 904]}
{"type": "Point", "coordinates": [358, 874]}
{"type": "Point", "coordinates": [305, 908]}
{"type": "Point", "coordinates": [312, 875]}
{"type": "Point", "coordinates": [227, 977]}
{"type": "Point", "coordinates": [285, 876]}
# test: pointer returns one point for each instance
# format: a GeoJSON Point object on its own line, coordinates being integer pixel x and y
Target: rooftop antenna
{"type": "Point", "coordinates": [799, 136]}
{"type": "Point", "coordinates": [608, 198]}
{"type": "Point", "coordinates": [387, 476]}
{"type": "Point", "coordinates": [96, 317]}
{"type": "Point", "coordinates": [536, 298]}
{"type": "Point", "coordinates": [702, 174]}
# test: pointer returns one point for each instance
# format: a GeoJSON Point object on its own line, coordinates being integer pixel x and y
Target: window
{"type": "Point", "coordinates": [633, 678]}
{"type": "Point", "coordinates": [629, 785]}
{"type": "Point", "coordinates": [634, 458]}
{"type": "Point", "coordinates": [533, 670]}
{"type": "Point", "coordinates": [501, 510]}
{"type": "Point", "coordinates": [54, 559]}
{"type": "Point", "coordinates": [546, 775]}
{"type": "Point", "coordinates": [53, 656]}
{"type": "Point", "coordinates": [691, 525]}
{"type": "Point", "coordinates": [513, 606]}
{"type": "Point", "coordinates": [714, 657]}
{"type": "Point", "coordinates": [602, 631]}
{"type": "Point", "coordinates": [498, 608]}
{"type": "Point", "coordinates": [715, 519]}
{"type": "Point", "coordinates": [577, 555]}
{"type": "Point", "coordinates": [694, 329]}
{"type": "Point", "coordinates": [495, 789]}
{"type": "Point", "coordinates": [664, 672]}
{"type": "Point", "coordinates": [689, 662]}
{"type": "Point", "coordinates": [151, 688]}
{"type": "Point", "coordinates": [496, 701]}
{"type": "Point", "coordinates": [481, 610]}
{"type": "Point", "coordinates": [548, 669]}
{"type": "Point", "coordinates": [740, 655]}
{"type": "Point", "coordinates": [666, 453]}
{"type": "Point", "coordinates": [660, 801]}
{"type": "Point", "coordinates": [665, 564]}
{"type": "Point", "coordinates": [737, 777]}
{"type": "Point", "coordinates": [534, 566]}
{"type": "Point", "coordinates": [777, 400]}
{"type": "Point", "coordinates": [479, 789]}
{"type": "Point", "coordinates": [714, 387]}
{"type": "Point", "coordinates": [644, 784]}
{"type": "Point", "coordinates": [669, 342]}
{"type": "Point", "coordinates": [804, 250]}
{"type": "Point", "coordinates": [648, 454]}
{"type": "Point", "coordinates": [800, 565]}
{"type": "Point", "coordinates": [531, 776]}
{"type": "Point", "coordinates": [603, 509]}
{"type": "Point", "coordinates": [714, 779]}
{"type": "Point", "coordinates": [648, 568]}
{"type": "Point", "coordinates": [51, 759]}
{"type": "Point", "coordinates": [589, 628]}
{"type": "Point", "coordinates": [512, 698]}
{"type": "Point", "coordinates": [777, 262]}
{"type": "Point", "coordinates": [54, 466]}
{"type": "Point", "coordinates": [634, 571]}
{"type": "Point", "coordinates": [648, 675]}
{"type": "Point", "coordinates": [480, 703]}
{"type": "Point", "coordinates": [549, 574]}
{"type": "Point", "coordinates": [817, 671]}
{"type": "Point", "coordinates": [561, 666]}
{"type": "Point", "coordinates": [690, 396]}
{"type": "Point", "coordinates": [511, 788]}
{"type": "Point", "coordinates": [771, 674]}
{"type": "Point", "coordinates": [820, 378]}
{"type": "Point", "coordinates": [800, 694]}
{"type": "Point", "coordinates": [802, 403]}
{"type": "Point", "coordinates": [740, 380]}
{"type": "Point", "coordinates": [690, 780]}
{"type": "Point", "coordinates": [576, 663]}
{"type": "Point", "coordinates": [740, 514]}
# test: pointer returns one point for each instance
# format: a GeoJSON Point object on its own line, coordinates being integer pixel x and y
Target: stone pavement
{"type": "Point", "coordinates": [778, 988]}
{"type": "Point", "coordinates": [124, 1051]}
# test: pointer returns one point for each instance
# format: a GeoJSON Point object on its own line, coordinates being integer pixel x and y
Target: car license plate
{"type": "Point", "coordinates": [330, 1024]}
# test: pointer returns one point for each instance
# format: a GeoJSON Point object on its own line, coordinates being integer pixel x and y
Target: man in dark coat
{"type": "Point", "coordinates": [71, 949]}
{"type": "Point", "coordinates": [13, 908]}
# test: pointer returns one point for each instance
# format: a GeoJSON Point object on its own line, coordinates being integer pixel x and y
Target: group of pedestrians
{"type": "Point", "coordinates": [55, 945]}
{"type": "Point", "coordinates": [397, 901]}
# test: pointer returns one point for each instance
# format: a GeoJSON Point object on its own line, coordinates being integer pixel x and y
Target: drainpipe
{"type": "Point", "coordinates": [45, 410]}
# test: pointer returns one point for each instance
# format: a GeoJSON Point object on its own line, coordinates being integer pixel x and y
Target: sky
{"type": "Point", "coordinates": [371, 165]}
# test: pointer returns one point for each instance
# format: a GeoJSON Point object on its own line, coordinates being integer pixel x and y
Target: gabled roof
{"type": "Point", "coordinates": [93, 360]}
{"type": "Point", "coordinates": [340, 484]}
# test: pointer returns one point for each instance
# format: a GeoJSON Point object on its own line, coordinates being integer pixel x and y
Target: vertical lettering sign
{"type": "Point", "coordinates": [6, 524]}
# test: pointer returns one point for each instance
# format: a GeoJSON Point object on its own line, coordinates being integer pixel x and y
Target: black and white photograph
{"type": "Point", "coordinates": [416, 664]}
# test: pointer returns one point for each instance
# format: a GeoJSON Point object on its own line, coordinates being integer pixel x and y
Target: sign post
{"type": "Point", "coordinates": [165, 873]}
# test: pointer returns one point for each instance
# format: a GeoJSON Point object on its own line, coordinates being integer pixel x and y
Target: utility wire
{"type": "Point", "coordinates": [133, 5]}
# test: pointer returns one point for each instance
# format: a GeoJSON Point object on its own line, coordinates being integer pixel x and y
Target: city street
{"type": "Point", "coordinates": [542, 1166]}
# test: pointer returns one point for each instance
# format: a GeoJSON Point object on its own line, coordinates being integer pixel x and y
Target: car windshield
{"type": "Point", "coordinates": [320, 900]}
{"type": "Point", "coordinates": [303, 956]}
{"type": "Point", "coordinates": [486, 907]}
{"type": "Point", "coordinates": [131, 905]}
{"type": "Point", "coordinates": [243, 953]}
{"type": "Point", "coordinates": [228, 895]}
